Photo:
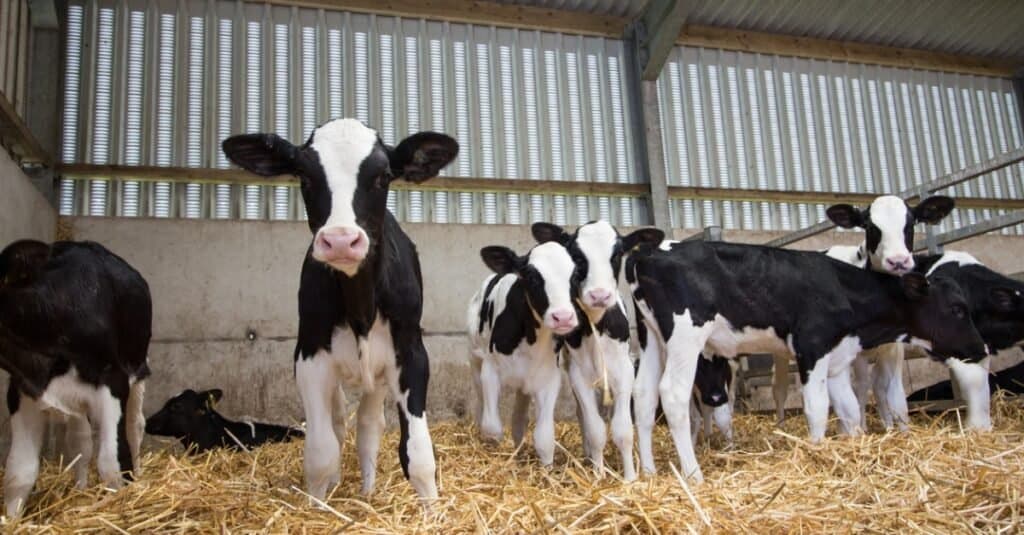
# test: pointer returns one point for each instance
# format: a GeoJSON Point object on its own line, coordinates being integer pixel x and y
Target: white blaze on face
{"type": "Point", "coordinates": [889, 214]}
{"type": "Point", "coordinates": [342, 145]}
{"type": "Point", "coordinates": [555, 265]}
{"type": "Point", "coordinates": [597, 243]}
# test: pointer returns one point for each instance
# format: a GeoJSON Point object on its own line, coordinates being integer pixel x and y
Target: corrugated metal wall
{"type": "Point", "coordinates": [739, 120]}
{"type": "Point", "coordinates": [163, 82]}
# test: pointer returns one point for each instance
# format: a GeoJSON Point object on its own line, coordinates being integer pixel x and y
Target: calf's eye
{"type": "Point", "coordinates": [959, 311]}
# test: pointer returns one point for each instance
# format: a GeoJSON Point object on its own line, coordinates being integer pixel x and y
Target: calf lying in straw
{"type": "Point", "coordinates": [191, 418]}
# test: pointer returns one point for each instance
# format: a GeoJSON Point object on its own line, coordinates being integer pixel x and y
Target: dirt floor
{"type": "Point", "coordinates": [934, 479]}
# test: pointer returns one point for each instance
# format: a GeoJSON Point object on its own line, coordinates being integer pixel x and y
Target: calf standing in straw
{"type": "Point", "coordinates": [599, 349]}
{"type": "Point", "coordinates": [512, 322]}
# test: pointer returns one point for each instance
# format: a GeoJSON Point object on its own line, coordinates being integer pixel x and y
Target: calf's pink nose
{"type": "Point", "coordinates": [901, 261]}
{"type": "Point", "coordinates": [341, 244]}
{"type": "Point", "coordinates": [599, 296]}
{"type": "Point", "coordinates": [564, 318]}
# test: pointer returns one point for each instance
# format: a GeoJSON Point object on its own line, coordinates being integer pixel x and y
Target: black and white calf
{"type": "Point", "coordinates": [191, 418]}
{"type": "Point", "coordinates": [75, 325]}
{"type": "Point", "coordinates": [888, 223]}
{"type": "Point", "coordinates": [713, 396]}
{"type": "Point", "coordinates": [599, 349]}
{"type": "Point", "coordinates": [512, 324]}
{"type": "Point", "coordinates": [996, 306]}
{"type": "Point", "coordinates": [750, 299]}
{"type": "Point", "coordinates": [360, 293]}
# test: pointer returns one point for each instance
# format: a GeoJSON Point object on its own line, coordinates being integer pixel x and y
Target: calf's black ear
{"type": "Point", "coordinates": [262, 154]}
{"type": "Point", "coordinates": [1004, 299]}
{"type": "Point", "coordinates": [933, 209]}
{"type": "Point", "coordinates": [421, 156]}
{"type": "Point", "coordinates": [650, 235]}
{"type": "Point", "coordinates": [915, 286]}
{"type": "Point", "coordinates": [501, 260]}
{"type": "Point", "coordinates": [212, 397]}
{"type": "Point", "coordinates": [845, 215]}
{"type": "Point", "coordinates": [545, 232]}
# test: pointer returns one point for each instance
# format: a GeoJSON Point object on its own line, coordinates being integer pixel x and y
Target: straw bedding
{"type": "Point", "coordinates": [934, 479]}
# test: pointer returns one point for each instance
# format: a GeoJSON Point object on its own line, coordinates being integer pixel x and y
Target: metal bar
{"type": "Point", "coordinates": [505, 185]}
{"type": "Point", "coordinates": [968, 173]}
{"type": "Point", "coordinates": [962, 233]}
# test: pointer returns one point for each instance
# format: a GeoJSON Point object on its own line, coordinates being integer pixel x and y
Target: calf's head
{"type": "Point", "coordinates": [889, 228]}
{"type": "Point", "coordinates": [940, 316]}
{"type": "Point", "coordinates": [344, 171]}
{"type": "Point", "coordinates": [184, 414]}
{"type": "Point", "coordinates": [597, 249]}
{"type": "Point", "coordinates": [547, 274]}
{"type": "Point", "coordinates": [21, 261]}
{"type": "Point", "coordinates": [712, 380]}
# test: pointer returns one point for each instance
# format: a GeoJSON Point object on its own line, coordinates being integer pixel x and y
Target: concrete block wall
{"type": "Point", "coordinates": [215, 282]}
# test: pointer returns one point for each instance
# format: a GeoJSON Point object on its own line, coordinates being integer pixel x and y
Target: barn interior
{"type": "Point", "coordinates": [737, 120]}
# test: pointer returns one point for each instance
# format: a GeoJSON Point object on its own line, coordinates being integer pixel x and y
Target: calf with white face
{"type": "Point", "coordinates": [360, 293]}
{"type": "Point", "coordinates": [888, 225]}
{"type": "Point", "coordinates": [599, 348]}
{"type": "Point", "coordinates": [512, 323]}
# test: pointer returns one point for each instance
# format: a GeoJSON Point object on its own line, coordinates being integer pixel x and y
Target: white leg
{"type": "Point", "coordinates": [322, 452]}
{"type": "Point", "coordinates": [696, 420]}
{"type": "Point", "coordinates": [889, 382]}
{"type": "Point", "coordinates": [79, 442]}
{"type": "Point", "coordinates": [478, 391]}
{"type": "Point", "coordinates": [844, 401]}
{"type": "Point", "coordinates": [705, 415]}
{"type": "Point", "coordinates": [622, 420]}
{"type": "Point", "coordinates": [861, 385]}
{"type": "Point", "coordinates": [592, 426]}
{"type": "Point", "coordinates": [582, 424]}
{"type": "Point", "coordinates": [544, 432]}
{"type": "Point", "coordinates": [815, 392]}
{"type": "Point", "coordinates": [490, 419]}
{"type": "Point", "coordinates": [520, 416]}
{"type": "Point", "coordinates": [27, 426]}
{"type": "Point", "coordinates": [419, 448]}
{"type": "Point", "coordinates": [973, 380]}
{"type": "Point", "coordinates": [339, 415]}
{"type": "Point", "coordinates": [676, 388]}
{"type": "Point", "coordinates": [370, 429]}
{"type": "Point", "coordinates": [106, 412]}
{"type": "Point", "coordinates": [722, 415]}
{"type": "Point", "coordinates": [780, 385]}
{"type": "Point", "coordinates": [135, 423]}
{"type": "Point", "coordinates": [645, 400]}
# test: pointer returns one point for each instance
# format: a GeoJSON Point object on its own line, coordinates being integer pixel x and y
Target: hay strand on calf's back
{"type": "Point", "coordinates": [934, 478]}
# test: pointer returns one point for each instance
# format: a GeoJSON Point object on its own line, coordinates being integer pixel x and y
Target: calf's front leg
{"type": "Point", "coordinates": [415, 448]}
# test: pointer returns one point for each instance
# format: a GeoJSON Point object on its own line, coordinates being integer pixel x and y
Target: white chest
{"type": "Point", "coordinates": [345, 356]}
{"type": "Point", "coordinates": [529, 366]}
{"type": "Point", "coordinates": [595, 353]}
